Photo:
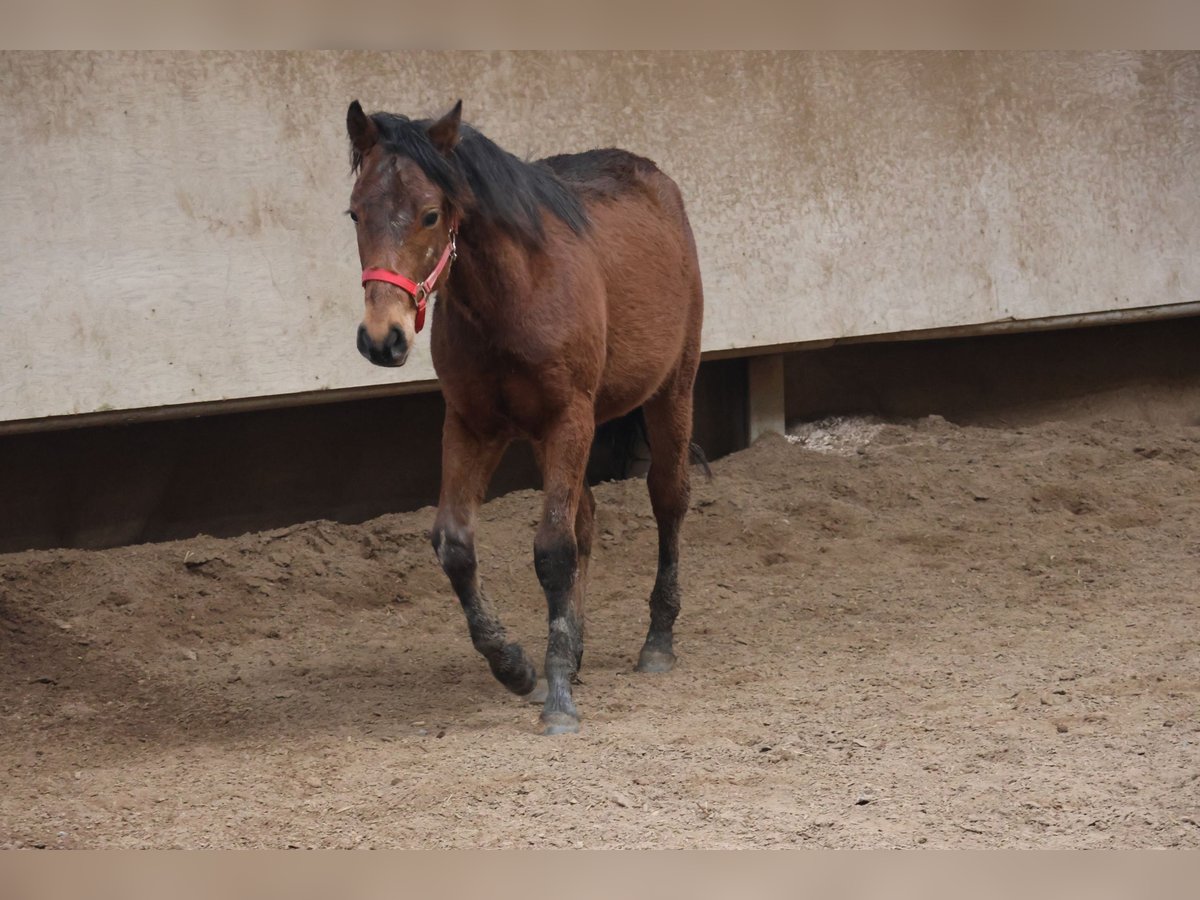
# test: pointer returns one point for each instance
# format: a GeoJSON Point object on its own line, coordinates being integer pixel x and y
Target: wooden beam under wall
{"type": "Point", "coordinates": [765, 402]}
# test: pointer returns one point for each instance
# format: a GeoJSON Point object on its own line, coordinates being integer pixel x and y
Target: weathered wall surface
{"type": "Point", "coordinates": [173, 227]}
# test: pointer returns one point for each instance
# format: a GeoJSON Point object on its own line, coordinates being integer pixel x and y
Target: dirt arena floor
{"type": "Point", "coordinates": [893, 635]}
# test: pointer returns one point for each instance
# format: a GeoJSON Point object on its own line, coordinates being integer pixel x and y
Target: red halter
{"type": "Point", "coordinates": [419, 289]}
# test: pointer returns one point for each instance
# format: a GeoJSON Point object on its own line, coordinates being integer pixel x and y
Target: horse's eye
{"type": "Point", "coordinates": [430, 218]}
{"type": "Point", "coordinates": [353, 215]}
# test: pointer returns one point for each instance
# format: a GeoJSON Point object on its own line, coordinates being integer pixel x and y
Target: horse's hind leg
{"type": "Point", "coordinates": [585, 520]}
{"type": "Point", "coordinates": [467, 465]}
{"type": "Point", "coordinates": [669, 428]}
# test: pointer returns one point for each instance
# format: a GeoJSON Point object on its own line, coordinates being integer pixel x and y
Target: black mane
{"type": "Point", "coordinates": [482, 178]}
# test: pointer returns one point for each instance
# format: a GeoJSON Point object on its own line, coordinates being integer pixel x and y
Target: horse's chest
{"type": "Point", "coordinates": [503, 400]}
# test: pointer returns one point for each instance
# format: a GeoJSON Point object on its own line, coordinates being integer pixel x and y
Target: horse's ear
{"type": "Point", "coordinates": [362, 131]}
{"type": "Point", "coordinates": [444, 132]}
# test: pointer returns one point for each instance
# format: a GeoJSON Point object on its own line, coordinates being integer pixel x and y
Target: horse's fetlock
{"type": "Point", "coordinates": [486, 635]}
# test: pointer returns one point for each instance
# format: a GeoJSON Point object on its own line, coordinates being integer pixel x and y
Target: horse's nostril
{"type": "Point", "coordinates": [395, 345]}
{"type": "Point", "coordinates": [391, 351]}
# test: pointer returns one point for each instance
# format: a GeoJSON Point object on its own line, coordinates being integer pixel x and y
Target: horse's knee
{"type": "Point", "coordinates": [556, 559]}
{"type": "Point", "coordinates": [455, 550]}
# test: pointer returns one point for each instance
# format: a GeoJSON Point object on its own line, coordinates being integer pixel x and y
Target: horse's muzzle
{"type": "Point", "coordinates": [392, 351]}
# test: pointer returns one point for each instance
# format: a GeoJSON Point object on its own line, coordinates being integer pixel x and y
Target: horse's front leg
{"type": "Point", "coordinates": [468, 462]}
{"type": "Point", "coordinates": [563, 453]}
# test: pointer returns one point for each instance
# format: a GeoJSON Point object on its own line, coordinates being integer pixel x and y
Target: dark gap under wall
{"type": "Point", "coordinates": [1147, 370]}
{"type": "Point", "coordinates": [226, 474]}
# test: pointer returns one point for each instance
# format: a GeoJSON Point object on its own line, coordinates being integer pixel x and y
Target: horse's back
{"type": "Point", "coordinates": [604, 172]}
{"type": "Point", "coordinates": [612, 175]}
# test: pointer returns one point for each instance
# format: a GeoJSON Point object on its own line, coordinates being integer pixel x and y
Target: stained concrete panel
{"type": "Point", "coordinates": [173, 228]}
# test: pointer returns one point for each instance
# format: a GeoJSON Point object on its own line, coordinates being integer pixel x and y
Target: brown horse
{"type": "Point", "coordinates": [567, 294]}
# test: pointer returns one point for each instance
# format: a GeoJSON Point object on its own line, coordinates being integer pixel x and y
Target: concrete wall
{"type": "Point", "coordinates": [172, 228]}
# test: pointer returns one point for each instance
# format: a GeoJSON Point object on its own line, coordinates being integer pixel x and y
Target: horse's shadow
{"type": "Point", "coordinates": [73, 693]}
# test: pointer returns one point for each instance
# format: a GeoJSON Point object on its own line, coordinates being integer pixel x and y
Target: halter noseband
{"type": "Point", "coordinates": [418, 289]}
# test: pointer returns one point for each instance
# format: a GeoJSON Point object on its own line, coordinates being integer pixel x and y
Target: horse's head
{"type": "Point", "coordinates": [404, 210]}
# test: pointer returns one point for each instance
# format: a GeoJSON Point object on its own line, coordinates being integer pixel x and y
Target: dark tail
{"type": "Point", "coordinates": [624, 437]}
{"type": "Point", "coordinates": [697, 457]}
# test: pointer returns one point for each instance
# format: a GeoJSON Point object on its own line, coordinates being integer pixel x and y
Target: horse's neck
{"type": "Point", "coordinates": [487, 274]}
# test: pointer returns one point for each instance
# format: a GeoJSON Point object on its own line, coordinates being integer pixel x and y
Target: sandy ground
{"type": "Point", "coordinates": [893, 635]}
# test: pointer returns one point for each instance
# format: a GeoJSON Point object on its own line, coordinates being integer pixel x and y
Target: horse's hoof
{"type": "Point", "coordinates": [656, 661]}
{"type": "Point", "coordinates": [560, 723]}
{"type": "Point", "coordinates": [538, 695]}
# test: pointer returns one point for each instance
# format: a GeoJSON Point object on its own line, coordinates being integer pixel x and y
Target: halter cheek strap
{"type": "Point", "coordinates": [419, 290]}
